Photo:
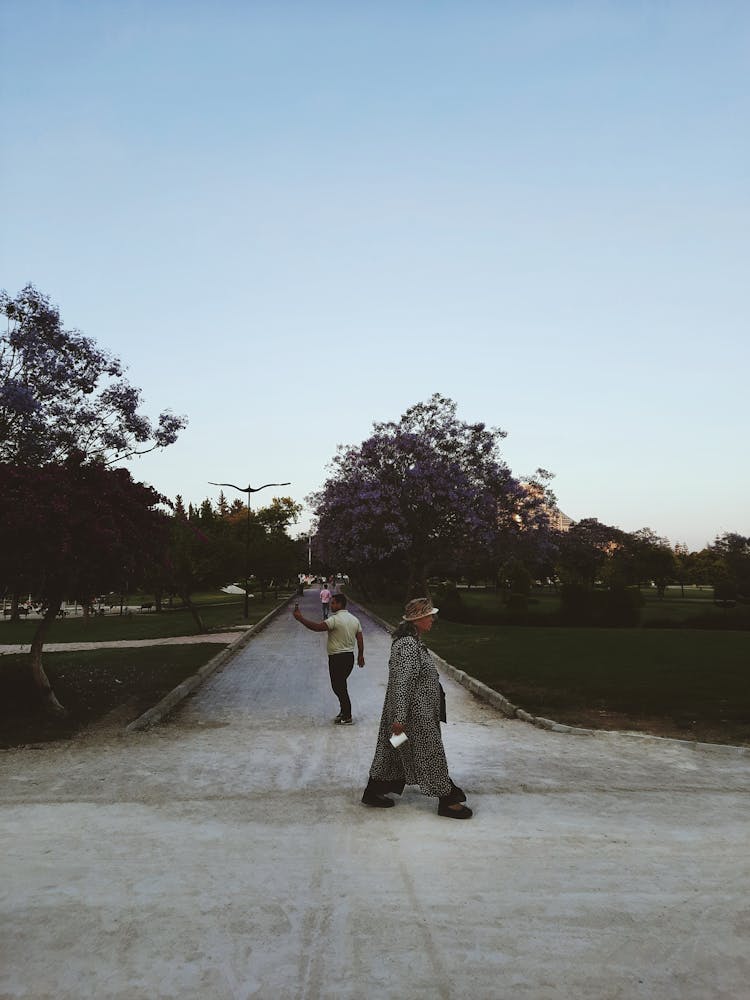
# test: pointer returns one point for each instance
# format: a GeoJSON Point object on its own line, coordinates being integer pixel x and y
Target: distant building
{"type": "Point", "coordinates": [560, 521]}
{"type": "Point", "coordinates": [557, 520]}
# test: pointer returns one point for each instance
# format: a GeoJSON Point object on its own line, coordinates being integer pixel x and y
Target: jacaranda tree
{"type": "Point", "coordinates": [422, 492]}
{"type": "Point", "coordinates": [67, 415]}
{"type": "Point", "coordinates": [60, 394]}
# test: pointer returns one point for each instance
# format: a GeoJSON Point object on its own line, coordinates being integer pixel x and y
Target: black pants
{"type": "Point", "coordinates": [340, 665]}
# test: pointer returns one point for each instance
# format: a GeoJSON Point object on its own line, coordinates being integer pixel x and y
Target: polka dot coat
{"type": "Point", "coordinates": [413, 699]}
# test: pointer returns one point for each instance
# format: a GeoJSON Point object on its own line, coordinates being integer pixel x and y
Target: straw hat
{"type": "Point", "coordinates": [420, 607]}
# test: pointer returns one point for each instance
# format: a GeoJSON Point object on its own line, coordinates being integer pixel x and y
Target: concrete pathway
{"type": "Point", "coordinates": [226, 854]}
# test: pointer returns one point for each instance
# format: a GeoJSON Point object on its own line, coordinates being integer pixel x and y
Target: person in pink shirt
{"type": "Point", "coordinates": [325, 600]}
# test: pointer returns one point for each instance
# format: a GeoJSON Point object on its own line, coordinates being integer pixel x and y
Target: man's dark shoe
{"type": "Point", "coordinates": [338, 718]}
{"type": "Point", "coordinates": [344, 722]}
{"type": "Point", "coordinates": [379, 801]}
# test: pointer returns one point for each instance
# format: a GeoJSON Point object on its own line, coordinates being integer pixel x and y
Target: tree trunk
{"type": "Point", "coordinates": [417, 580]}
{"type": "Point", "coordinates": [194, 612]}
{"type": "Point", "coordinates": [14, 602]}
{"type": "Point", "coordinates": [157, 600]}
{"type": "Point", "coordinates": [41, 681]}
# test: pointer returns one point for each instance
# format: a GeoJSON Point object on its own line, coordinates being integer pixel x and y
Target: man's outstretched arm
{"type": "Point", "coordinates": [313, 626]}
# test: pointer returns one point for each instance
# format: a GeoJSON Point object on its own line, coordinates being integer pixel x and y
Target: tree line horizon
{"type": "Point", "coordinates": [426, 497]}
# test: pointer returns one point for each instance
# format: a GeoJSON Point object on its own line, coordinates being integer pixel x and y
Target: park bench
{"type": "Point", "coordinates": [147, 607]}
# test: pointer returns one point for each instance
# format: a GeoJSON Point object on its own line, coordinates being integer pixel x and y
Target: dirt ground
{"type": "Point", "coordinates": [226, 854]}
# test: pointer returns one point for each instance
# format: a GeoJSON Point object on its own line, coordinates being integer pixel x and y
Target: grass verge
{"type": "Point", "coordinates": [90, 684]}
{"type": "Point", "coordinates": [146, 625]}
{"type": "Point", "coordinates": [681, 683]}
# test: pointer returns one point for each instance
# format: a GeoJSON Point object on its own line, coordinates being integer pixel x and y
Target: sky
{"type": "Point", "coordinates": [292, 219]}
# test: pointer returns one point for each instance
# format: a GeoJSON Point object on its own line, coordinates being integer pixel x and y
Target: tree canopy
{"type": "Point", "coordinates": [214, 547]}
{"type": "Point", "coordinates": [731, 576]}
{"type": "Point", "coordinates": [62, 395]}
{"type": "Point", "coordinates": [78, 529]}
{"type": "Point", "coordinates": [70, 525]}
{"type": "Point", "coordinates": [418, 492]}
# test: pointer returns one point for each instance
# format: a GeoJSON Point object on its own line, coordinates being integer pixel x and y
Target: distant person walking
{"type": "Point", "coordinates": [344, 632]}
{"type": "Point", "coordinates": [414, 706]}
{"type": "Point", "coordinates": [325, 600]}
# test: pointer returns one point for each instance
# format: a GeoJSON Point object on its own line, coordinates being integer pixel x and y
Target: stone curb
{"type": "Point", "coordinates": [162, 708]}
{"type": "Point", "coordinates": [499, 701]}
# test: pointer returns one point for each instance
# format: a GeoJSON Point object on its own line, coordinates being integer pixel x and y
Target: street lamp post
{"type": "Point", "coordinates": [248, 489]}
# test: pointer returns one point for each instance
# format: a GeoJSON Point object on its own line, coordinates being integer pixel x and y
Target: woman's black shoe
{"type": "Point", "coordinates": [456, 794]}
{"type": "Point", "coordinates": [380, 801]}
{"type": "Point", "coordinates": [463, 813]}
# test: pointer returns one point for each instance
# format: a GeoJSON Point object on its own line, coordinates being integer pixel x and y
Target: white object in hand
{"type": "Point", "coordinates": [396, 741]}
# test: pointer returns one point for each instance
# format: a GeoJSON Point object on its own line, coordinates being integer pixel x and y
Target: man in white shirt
{"type": "Point", "coordinates": [344, 630]}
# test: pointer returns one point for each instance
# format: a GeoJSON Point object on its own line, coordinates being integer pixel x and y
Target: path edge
{"type": "Point", "coordinates": [511, 711]}
{"type": "Point", "coordinates": [152, 716]}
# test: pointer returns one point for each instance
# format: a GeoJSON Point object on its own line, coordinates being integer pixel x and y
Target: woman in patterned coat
{"type": "Point", "coordinates": [413, 706]}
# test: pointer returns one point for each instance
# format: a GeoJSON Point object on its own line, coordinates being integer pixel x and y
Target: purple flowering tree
{"type": "Point", "coordinates": [69, 523]}
{"type": "Point", "coordinates": [61, 395]}
{"type": "Point", "coordinates": [427, 491]}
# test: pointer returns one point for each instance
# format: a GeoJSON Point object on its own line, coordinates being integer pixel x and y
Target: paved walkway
{"type": "Point", "coordinates": [225, 854]}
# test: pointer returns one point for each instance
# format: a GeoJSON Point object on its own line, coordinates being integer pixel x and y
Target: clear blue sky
{"type": "Point", "coordinates": [292, 219]}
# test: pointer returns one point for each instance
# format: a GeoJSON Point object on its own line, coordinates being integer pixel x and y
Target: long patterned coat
{"type": "Point", "coordinates": [413, 699]}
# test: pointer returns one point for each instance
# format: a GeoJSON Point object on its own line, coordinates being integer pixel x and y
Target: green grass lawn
{"type": "Point", "coordinates": [143, 625]}
{"type": "Point", "coordinates": [673, 609]}
{"type": "Point", "coordinates": [90, 684]}
{"type": "Point", "coordinates": [680, 682]}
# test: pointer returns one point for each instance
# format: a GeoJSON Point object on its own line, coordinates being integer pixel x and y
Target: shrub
{"type": "Point", "coordinates": [516, 602]}
{"type": "Point", "coordinates": [621, 607]}
{"type": "Point", "coordinates": [616, 607]}
{"type": "Point", "coordinates": [575, 604]}
{"type": "Point", "coordinates": [448, 600]}
{"type": "Point", "coordinates": [724, 592]}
